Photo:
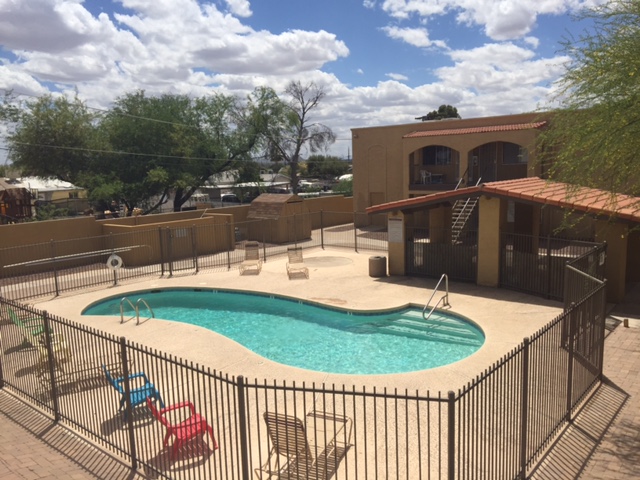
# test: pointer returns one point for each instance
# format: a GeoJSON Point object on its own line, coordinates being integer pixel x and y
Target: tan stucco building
{"type": "Point", "coordinates": [435, 179]}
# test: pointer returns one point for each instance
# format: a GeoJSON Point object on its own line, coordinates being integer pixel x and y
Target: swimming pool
{"type": "Point", "coordinates": [313, 337]}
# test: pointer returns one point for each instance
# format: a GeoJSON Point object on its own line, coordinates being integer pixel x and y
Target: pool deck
{"type": "Point", "coordinates": [340, 278]}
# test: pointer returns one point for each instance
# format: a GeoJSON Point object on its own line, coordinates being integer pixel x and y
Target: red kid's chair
{"type": "Point", "coordinates": [184, 431]}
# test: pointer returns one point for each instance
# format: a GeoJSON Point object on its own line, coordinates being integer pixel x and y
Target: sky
{"type": "Point", "coordinates": [379, 62]}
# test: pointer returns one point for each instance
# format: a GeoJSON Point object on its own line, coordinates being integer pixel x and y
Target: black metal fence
{"type": "Point", "coordinates": [431, 252]}
{"type": "Point", "coordinates": [54, 267]}
{"type": "Point", "coordinates": [536, 265]}
{"type": "Point", "coordinates": [498, 426]}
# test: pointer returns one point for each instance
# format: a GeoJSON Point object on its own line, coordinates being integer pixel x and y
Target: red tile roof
{"type": "Point", "coordinates": [536, 190]}
{"type": "Point", "coordinates": [465, 131]}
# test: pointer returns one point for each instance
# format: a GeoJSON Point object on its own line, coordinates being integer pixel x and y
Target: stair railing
{"type": "Point", "coordinates": [444, 299]}
{"type": "Point", "coordinates": [133, 307]}
{"type": "Point", "coordinates": [144, 302]}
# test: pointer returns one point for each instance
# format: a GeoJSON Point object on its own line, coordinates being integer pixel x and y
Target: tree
{"type": "Point", "coordinates": [444, 111]}
{"type": "Point", "coordinates": [52, 138]}
{"type": "Point", "coordinates": [593, 138]}
{"type": "Point", "coordinates": [291, 129]}
{"type": "Point", "coordinates": [326, 166]}
{"type": "Point", "coordinates": [173, 144]}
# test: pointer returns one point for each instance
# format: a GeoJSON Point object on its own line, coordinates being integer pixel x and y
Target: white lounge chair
{"type": "Point", "coordinates": [295, 265]}
{"type": "Point", "coordinates": [252, 261]}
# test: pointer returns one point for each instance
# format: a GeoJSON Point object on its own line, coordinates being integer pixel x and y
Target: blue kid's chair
{"type": "Point", "coordinates": [139, 391]}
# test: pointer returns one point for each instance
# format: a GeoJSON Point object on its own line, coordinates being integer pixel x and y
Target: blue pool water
{"type": "Point", "coordinates": [311, 337]}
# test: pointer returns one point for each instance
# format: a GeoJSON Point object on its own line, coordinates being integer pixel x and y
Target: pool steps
{"type": "Point", "coordinates": [438, 329]}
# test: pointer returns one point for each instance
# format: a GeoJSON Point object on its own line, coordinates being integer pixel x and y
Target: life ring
{"type": "Point", "coordinates": [114, 262]}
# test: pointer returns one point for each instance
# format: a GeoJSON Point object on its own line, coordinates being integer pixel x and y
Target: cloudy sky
{"type": "Point", "coordinates": [380, 62]}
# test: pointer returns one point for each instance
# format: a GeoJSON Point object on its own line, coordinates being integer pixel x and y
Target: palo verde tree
{"type": "Point", "coordinates": [444, 111]}
{"type": "Point", "coordinates": [593, 138]}
{"type": "Point", "coordinates": [291, 130]}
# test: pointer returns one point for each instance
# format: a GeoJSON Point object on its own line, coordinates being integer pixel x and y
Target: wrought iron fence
{"type": "Point", "coordinates": [55, 267]}
{"type": "Point", "coordinates": [432, 252]}
{"type": "Point", "coordinates": [536, 264]}
{"type": "Point", "coordinates": [497, 426]}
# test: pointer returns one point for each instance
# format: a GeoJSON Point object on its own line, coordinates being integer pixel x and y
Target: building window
{"type": "Point", "coordinates": [513, 154]}
{"type": "Point", "coordinates": [73, 194]}
{"type": "Point", "coordinates": [436, 155]}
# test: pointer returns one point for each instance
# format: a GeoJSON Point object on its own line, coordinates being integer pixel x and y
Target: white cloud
{"type": "Point", "coordinates": [418, 37]}
{"type": "Point", "coordinates": [397, 76]}
{"type": "Point", "coordinates": [241, 8]}
{"type": "Point", "coordinates": [501, 19]}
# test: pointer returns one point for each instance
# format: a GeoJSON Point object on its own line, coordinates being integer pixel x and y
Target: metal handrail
{"type": "Point", "coordinates": [122, 309]}
{"type": "Point", "coordinates": [444, 299]}
{"type": "Point", "coordinates": [142, 300]}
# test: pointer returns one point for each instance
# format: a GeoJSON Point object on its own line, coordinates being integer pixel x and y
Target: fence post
{"type": "Point", "coordinates": [451, 435]}
{"type": "Point", "coordinates": [228, 233]}
{"type": "Point", "coordinates": [52, 366]}
{"type": "Point", "coordinates": [295, 231]}
{"type": "Point", "coordinates": [243, 429]}
{"type": "Point", "coordinates": [194, 247]}
{"type": "Point", "coordinates": [322, 229]}
{"type": "Point", "coordinates": [128, 412]}
{"type": "Point", "coordinates": [55, 269]}
{"type": "Point", "coordinates": [570, 347]}
{"type": "Point", "coordinates": [161, 251]}
{"type": "Point", "coordinates": [548, 266]}
{"type": "Point", "coordinates": [355, 233]}
{"type": "Point", "coordinates": [115, 270]}
{"type": "Point", "coordinates": [170, 250]}
{"type": "Point", "coordinates": [264, 237]}
{"type": "Point", "coordinates": [524, 412]}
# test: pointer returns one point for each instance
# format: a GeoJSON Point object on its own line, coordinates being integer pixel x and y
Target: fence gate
{"type": "Point", "coordinates": [179, 249]}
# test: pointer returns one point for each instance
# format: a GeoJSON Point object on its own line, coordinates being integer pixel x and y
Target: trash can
{"type": "Point", "coordinates": [377, 266]}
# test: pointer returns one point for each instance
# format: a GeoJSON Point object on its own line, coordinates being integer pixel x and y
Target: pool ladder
{"type": "Point", "coordinates": [136, 308]}
{"type": "Point", "coordinates": [444, 299]}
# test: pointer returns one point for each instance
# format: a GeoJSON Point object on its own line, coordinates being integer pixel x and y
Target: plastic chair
{"type": "Point", "coordinates": [32, 328]}
{"type": "Point", "coordinates": [293, 456]}
{"type": "Point", "coordinates": [138, 393]}
{"type": "Point", "coordinates": [296, 265]}
{"type": "Point", "coordinates": [195, 425]}
{"type": "Point", "coordinates": [252, 261]}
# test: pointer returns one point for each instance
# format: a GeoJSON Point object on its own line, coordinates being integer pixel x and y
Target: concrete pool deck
{"type": "Point", "coordinates": [337, 278]}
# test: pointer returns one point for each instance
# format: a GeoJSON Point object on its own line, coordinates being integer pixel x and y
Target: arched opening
{"type": "Point", "coordinates": [434, 165]}
{"type": "Point", "coordinates": [497, 161]}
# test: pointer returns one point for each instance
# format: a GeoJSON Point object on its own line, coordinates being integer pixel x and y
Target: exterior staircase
{"type": "Point", "coordinates": [460, 214]}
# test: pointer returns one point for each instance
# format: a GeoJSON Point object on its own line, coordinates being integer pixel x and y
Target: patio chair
{"type": "Point", "coordinates": [140, 389]}
{"type": "Point", "coordinates": [32, 328]}
{"type": "Point", "coordinates": [252, 261]}
{"type": "Point", "coordinates": [295, 265]}
{"type": "Point", "coordinates": [193, 426]}
{"type": "Point", "coordinates": [62, 354]}
{"type": "Point", "coordinates": [292, 454]}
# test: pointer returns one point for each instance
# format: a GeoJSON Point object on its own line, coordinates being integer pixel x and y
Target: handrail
{"type": "Point", "coordinates": [142, 300]}
{"type": "Point", "coordinates": [444, 299]}
{"type": "Point", "coordinates": [122, 309]}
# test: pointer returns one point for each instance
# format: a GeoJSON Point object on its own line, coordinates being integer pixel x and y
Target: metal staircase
{"type": "Point", "coordinates": [461, 212]}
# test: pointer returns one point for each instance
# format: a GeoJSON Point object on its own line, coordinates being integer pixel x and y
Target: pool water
{"type": "Point", "coordinates": [312, 337]}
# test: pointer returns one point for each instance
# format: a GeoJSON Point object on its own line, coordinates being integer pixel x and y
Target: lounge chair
{"type": "Point", "coordinates": [62, 354]}
{"type": "Point", "coordinates": [32, 328]}
{"type": "Point", "coordinates": [295, 265]}
{"type": "Point", "coordinates": [140, 389]}
{"type": "Point", "coordinates": [195, 425]}
{"type": "Point", "coordinates": [252, 261]}
{"type": "Point", "coordinates": [293, 456]}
